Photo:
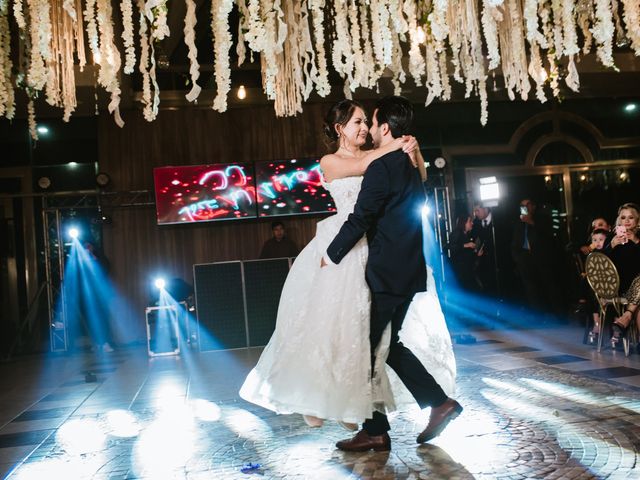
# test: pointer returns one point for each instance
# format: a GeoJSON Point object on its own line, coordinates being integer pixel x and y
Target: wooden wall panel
{"type": "Point", "coordinates": [138, 248]}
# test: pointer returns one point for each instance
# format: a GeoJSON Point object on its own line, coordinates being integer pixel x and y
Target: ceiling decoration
{"type": "Point", "coordinates": [533, 44]}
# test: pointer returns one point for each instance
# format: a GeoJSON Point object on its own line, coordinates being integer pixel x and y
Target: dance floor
{"type": "Point", "coordinates": [538, 404]}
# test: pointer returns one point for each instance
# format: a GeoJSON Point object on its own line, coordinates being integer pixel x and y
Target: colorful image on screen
{"type": "Point", "coordinates": [291, 187]}
{"type": "Point", "coordinates": [203, 193]}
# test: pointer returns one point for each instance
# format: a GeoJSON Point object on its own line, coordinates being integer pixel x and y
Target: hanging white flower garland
{"type": "Point", "coordinates": [92, 29]}
{"type": "Point", "coordinates": [342, 52]}
{"type": "Point", "coordinates": [603, 31]}
{"type": "Point", "coordinates": [220, 10]}
{"type": "Point", "coordinates": [40, 37]}
{"type": "Point", "coordinates": [110, 59]}
{"type": "Point", "coordinates": [491, 16]}
{"type": "Point", "coordinates": [33, 126]}
{"type": "Point", "coordinates": [321, 80]}
{"type": "Point", "coordinates": [417, 66]}
{"type": "Point", "coordinates": [190, 40]}
{"type": "Point", "coordinates": [7, 95]}
{"type": "Point", "coordinates": [156, 11]}
{"type": "Point", "coordinates": [631, 16]}
{"type": "Point", "coordinates": [127, 35]}
{"type": "Point", "coordinates": [517, 36]}
{"type": "Point", "coordinates": [18, 14]}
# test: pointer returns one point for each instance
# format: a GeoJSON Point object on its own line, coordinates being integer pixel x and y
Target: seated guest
{"type": "Point", "coordinates": [625, 254]}
{"type": "Point", "coordinates": [631, 310]}
{"type": "Point", "coordinates": [462, 250]}
{"type": "Point", "coordinates": [598, 223]}
{"type": "Point", "coordinates": [597, 244]}
{"type": "Point", "coordinates": [279, 245]}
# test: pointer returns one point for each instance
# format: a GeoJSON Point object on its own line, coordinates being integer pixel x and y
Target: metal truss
{"type": "Point", "coordinates": [54, 264]}
{"type": "Point", "coordinates": [54, 207]}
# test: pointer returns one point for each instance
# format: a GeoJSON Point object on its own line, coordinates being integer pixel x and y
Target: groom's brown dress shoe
{"type": "Point", "coordinates": [363, 442]}
{"type": "Point", "coordinates": [439, 419]}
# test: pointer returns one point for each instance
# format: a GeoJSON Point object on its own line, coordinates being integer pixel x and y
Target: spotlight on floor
{"type": "Point", "coordinates": [159, 283]}
{"type": "Point", "coordinates": [74, 232]}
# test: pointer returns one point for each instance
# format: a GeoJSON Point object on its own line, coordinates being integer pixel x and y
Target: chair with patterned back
{"type": "Point", "coordinates": [603, 278]}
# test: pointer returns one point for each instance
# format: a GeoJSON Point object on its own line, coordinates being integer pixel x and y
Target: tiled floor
{"type": "Point", "coordinates": [538, 404]}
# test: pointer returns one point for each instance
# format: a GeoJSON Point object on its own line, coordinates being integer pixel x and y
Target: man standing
{"type": "Point", "coordinates": [486, 269]}
{"type": "Point", "coordinates": [532, 251]}
{"type": "Point", "coordinates": [279, 245]}
{"type": "Point", "coordinates": [388, 211]}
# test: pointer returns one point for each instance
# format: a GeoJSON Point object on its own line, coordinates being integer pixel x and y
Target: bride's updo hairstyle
{"type": "Point", "coordinates": [339, 114]}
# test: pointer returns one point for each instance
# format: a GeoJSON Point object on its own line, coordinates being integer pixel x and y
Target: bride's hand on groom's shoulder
{"type": "Point", "coordinates": [410, 147]}
{"type": "Point", "coordinates": [323, 263]}
{"type": "Point", "coordinates": [409, 143]}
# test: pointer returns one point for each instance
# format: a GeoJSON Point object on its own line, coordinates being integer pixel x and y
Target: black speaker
{"type": "Point", "coordinates": [263, 281]}
{"type": "Point", "coordinates": [162, 330]}
{"type": "Point", "coordinates": [222, 321]}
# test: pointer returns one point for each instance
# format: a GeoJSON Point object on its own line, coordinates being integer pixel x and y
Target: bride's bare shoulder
{"type": "Point", "coordinates": [329, 164]}
{"type": "Point", "coordinates": [329, 158]}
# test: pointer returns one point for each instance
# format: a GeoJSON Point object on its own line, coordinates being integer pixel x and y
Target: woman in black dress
{"type": "Point", "coordinates": [625, 253]}
{"type": "Point", "coordinates": [464, 253]}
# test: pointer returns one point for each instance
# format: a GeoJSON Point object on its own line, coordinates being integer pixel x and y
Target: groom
{"type": "Point", "coordinates": [389, 211]}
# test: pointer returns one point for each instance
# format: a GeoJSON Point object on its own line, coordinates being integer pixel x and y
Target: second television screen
{"type": "Point", "coordinates": [291, 187]}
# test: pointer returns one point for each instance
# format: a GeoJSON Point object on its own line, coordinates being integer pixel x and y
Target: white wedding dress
{"type": "Point", "coordinates": [318, 359]}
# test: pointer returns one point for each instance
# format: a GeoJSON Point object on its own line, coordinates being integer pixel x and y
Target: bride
{"type": "Point", "coordinates": [318, 361]}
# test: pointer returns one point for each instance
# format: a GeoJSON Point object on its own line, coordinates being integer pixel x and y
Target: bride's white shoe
{"type": "Point", "coordinates": [312, 421]}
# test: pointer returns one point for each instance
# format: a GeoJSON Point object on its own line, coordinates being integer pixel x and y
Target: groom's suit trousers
{"type": "Point", "coordinates": [392, 309]}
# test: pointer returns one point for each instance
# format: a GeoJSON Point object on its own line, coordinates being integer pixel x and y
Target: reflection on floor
{"type": "Point", "coordinates": [538, 404]}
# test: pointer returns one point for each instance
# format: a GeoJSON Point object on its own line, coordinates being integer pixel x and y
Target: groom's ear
{"type": "Point", "coordinates": [384, 129]}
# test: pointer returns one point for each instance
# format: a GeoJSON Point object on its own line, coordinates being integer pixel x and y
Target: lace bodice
{"type": "Point", "coordinates": [344, 192]}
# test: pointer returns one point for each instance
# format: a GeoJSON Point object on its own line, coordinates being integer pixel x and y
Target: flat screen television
{"type": "Point", "coordinates": [291, 187]}
{"type": "Point", "coordinates": [204, 193]}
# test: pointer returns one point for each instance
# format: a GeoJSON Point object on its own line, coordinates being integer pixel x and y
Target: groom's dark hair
{"type": "Point", "coordinates": [397, 112]}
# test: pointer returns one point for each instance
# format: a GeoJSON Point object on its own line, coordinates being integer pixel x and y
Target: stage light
{"type": "Point", "coordinates": [487, 180]}
{"type": "Point", "coordinates": [160, 283]}
{"type": "Point", "coordinates": [72, 164]}
{"type": "Point", "coordinates": [426, 211]}
{"type": "Point", "coordinates": [242, 92]}
{"type": "Point", "coordinates": [489, 191]}
{"type": "Point", "coordinates": [43, 130]}
{"type": "Point", "coordinates": [74, 232]}
{"type": "Point", "coordinates": [630, 107]}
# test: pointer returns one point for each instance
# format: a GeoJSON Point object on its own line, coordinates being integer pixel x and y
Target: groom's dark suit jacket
{"type": "Point", "coordinates": [389, 211]}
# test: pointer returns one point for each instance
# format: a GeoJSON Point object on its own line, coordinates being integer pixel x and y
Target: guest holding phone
{"type": "Point", "coordinates": [625, 253]}
{"type": "Point", "coordinates": [532, 252]}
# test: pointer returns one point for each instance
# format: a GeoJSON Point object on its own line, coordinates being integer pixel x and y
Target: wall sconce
{"type": "Point", "coordinates": [242, 92]}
